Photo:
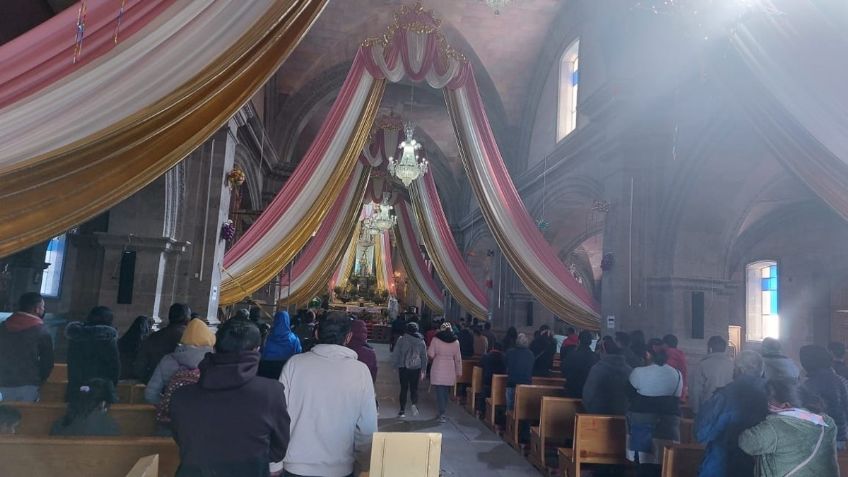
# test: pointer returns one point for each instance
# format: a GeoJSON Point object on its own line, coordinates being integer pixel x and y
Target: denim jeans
{"type": "Point", "coordinates": [27, 393]}
{"type": "Point", "coordinates": [442, 394]}
{"type": "Point", "coordinates": [510, 398]}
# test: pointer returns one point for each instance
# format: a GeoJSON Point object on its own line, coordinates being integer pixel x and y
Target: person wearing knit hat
{"type": "Point", "coordinates": [196, 342]}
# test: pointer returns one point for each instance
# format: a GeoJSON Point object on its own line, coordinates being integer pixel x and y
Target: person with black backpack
{"type": "Point", "coordinates": [410, 358]}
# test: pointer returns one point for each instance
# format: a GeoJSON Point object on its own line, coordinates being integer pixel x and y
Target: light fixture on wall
{"type": "Point", "coordinates": [497, 5]}
{"type": "Point", "coordinates": [411, 165]}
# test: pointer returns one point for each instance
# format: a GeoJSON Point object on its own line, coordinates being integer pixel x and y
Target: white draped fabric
{"type": "Point", "coordinates": [146, 67]}
{"type": "Point", "coordinates": [410, 253]}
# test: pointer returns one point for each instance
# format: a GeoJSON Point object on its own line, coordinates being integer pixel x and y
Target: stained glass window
{"type": "Point", "coordinates": [763, 309]}
{"type": "Point", "coordinates": [569, 80]}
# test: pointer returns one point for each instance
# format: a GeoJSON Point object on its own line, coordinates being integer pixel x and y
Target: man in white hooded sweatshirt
{"type": "Point", "coordinates": [330, 398]}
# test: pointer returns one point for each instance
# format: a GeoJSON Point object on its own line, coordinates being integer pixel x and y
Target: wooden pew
{"type": "Point", "coordinates": [598, 439]}
{"type": "Point", "coordinates": [497, 401]}
{"type": "Point", "coordinates": [842, 460]}
{"type": "Point", "coordinates": [411, 454]}
{"type": "Point", "coordinates": [687, 431]}
{"type": "Point", "coordinates": [682, 460]}
{"type": "Point", "coordinates": [133, 419]}
{"type": "Point", "coordinates": [555, 429]}
{"type": "Point", "coordinates": [528, 405]}
{"type": "Point", "coordinates": [476, 390]}
{"type": "Point", "coordinates": [548, 381]}
{"type": "Point", "coordinates": [128, 393]}
{"type": "Point", "coordinates": [84, 456]}
{"type": "Point", "coordinates": [59, 373]}
{"type": "Point", "coordinates": [146, 467]}
{"type": "Point", "coordinates": [464, 380]}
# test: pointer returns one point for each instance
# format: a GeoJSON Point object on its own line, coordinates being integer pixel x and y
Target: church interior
{"type": "Point", "coordinates": [678, 167]}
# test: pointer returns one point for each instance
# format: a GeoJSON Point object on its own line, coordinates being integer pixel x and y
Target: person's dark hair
{"type": "Point", "coordinates": [29, 301]}
{"type": "Point", "coordinates": [89, 398]}
{"type": "Point", "coordinates": [255, 313]}
{"type": "Point", "coordinates": [659, 357]}
{"type": "Point", "coordinates": [334, 328]}
{"type": "Point", "coordinates": [487, 326]}
{"type": "Point", "coordinates": [412, 328]}
{"type": "Point", "coordinates": [195, 314]}
{"type": "Point", "coordinates": [570, 331]}
{"type": "Point", "coordinates": [814, 358]}
{"type": "Point", "coordinates": [178, 313]}
{"type": "Point", "coordinates": [512, 332]}
{"type": "Point", "coordinates": [100, 315]}
{"type": "Point", "coordinates": [237, 335]}
{"type": "Point", "coordinates": [787, 391]}
{"type": "Point", "coordinates": [610, 347]}
{"type": "Point", "coordinates": [837, 349]}
{"type": "Point", "coordinates": [544, 328]}
{"type": "Point", "coordinates": [655, 344]}
{"type": "Point", "coordinates": [138, 331]}
{"type": "Point", "coordinates": [717, 344]}
{"type": "Point", "coordinates": [9, 417]}
{"type": "Point", "coordinates": [637, 337]}
{"type": "Point", "coordinates": [670, 341]}
{"type": "Point", "coordinates": [585, 338]}
{"type": "Point", "coordinates": [241, 314]}
{"type": "Point", "coordinates": [622, 339]}
{"type": "Point", "coordinates": [498, 346]}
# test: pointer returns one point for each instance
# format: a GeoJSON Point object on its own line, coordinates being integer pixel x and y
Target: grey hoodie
{"type": "Point", "coordinates": [407, 344]}
{"type": "Point", "coordinates": [184, 356]}
{"type": "Point", "coordinates": [777, 366]}
{"type": "Point", "coordinates": [330, 398]}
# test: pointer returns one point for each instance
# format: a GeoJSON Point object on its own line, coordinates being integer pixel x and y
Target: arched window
{"type": "Point", "coordinates": [51, 278]}
{"type": "Point", "coordinates": [569, 79]}
{"type": "Point", "coordinates": [763, 319]}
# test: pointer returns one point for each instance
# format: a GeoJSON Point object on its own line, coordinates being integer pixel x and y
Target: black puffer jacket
{"type": "Point", "coordinates": [92, 353]}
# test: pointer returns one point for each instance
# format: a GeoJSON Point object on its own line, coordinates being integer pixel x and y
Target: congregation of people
{"type": "Point", "coordinates": [298, 399]}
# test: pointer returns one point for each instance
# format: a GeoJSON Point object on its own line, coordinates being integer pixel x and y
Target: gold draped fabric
{"type": "Point", "coordinates": [378, 263]}
{"type": "Point", "coordinates": [49, 194]}
{"type": "Point", "coordinates": [347, 261]}
{"type": "Point", "coordinates": [236, 287]}
{"type": "Point", "coordinates": [321, 273]}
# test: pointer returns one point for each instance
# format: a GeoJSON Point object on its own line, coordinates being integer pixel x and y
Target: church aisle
{"type": "Point", "coordinates": [468, 447]}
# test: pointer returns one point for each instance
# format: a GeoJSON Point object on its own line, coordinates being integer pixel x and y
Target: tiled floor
{"type": "Point", "coordinates": [468, 447]}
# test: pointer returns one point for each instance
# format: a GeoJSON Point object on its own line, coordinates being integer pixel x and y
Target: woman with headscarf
{"type": "Point", "coordinates": [196, 342]}
{"type": "Point", "coordinates": [281, 345]}
{"type": "Point", "coordinates": [130, 344]}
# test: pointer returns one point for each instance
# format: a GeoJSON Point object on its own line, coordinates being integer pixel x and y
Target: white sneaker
{"type": "Point", "coordinates": [414, 410]}
{"type": "Point", "coordinates": [443, 419]}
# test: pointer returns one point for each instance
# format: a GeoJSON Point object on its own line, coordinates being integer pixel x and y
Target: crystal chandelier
{"type": "Point", "coordinates": [384, 219]}
{"type": "Point", "coordinates": [497, 5]}
{"type": "Point", "coordinates": [411, 165]}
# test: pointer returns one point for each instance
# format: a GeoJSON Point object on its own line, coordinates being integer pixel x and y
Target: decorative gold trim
{"type": "Point", "coordinates": [233, 288]}
{"type": "Point", "coordinates": [49, 194]}
{"type": "Point", "coordinates": [559, 305]}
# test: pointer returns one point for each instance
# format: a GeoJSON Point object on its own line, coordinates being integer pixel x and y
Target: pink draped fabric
{"type": "Point", "coordinates": [305, 169]}
{"type": "Point", "coordinates": [409, 246]}
{"type": "Point", "coordinates": [452, 257]}
{"type": "Point", "coordinates": [45, 54]}
{"type": "Point", "coordinates": [508, 199]}
{"type": "Point", "coordinates": [388, 270]}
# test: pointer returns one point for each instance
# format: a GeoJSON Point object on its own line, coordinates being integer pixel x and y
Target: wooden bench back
{"type": "Point", "coordinates": [477, 380]}
{"type": "Point", "coordinates": [128, 393]}
{"type": "Point", "coordinates": [599, 439]}
{"type": "Point", "coordinates": [133, 419]}
{"type": "Point", "coordinates": [682, 460]}
{"type": "Point", "coordinates": [467, 370]}
{"type": "Point", "coordinates": [146, 467]}
{"type": "Point", "coordinates": [548, 381]}
{"type": "Point", "coordinates": [687, 431]}
{"type": "Point", "coordinates": [528, 400]}
{"type": "Point", "coordinates": [556, 417]}
{"type": "Point", "coordinates": [842, 460]}
{"type": "Point", "coordinates": [84, 456]}
{"type": "Point", "coordinates": [59, 373]}
{"type": "Point", "coordinates": [411, 454]}
{"type": "Point", "coordinates": [498, 390]}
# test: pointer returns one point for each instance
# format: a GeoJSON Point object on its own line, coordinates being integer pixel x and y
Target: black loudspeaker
{"type": "Point", "coordinates": [698, 315]}
{"type": "Point", "coordinates": [529, 313]}
{"type": "Point", "coordinates": [126, 277]}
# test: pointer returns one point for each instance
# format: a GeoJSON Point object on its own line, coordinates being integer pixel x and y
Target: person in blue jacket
{"type": "Point", "coordinates": [281, 345]}
{"type": "Point", "coordinates": [732, 409]}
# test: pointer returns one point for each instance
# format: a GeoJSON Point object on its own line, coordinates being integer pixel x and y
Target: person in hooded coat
{"type": "Point", "coordinates": [364, 352]}
{"type": "Point", "coordinates": [130, 344]}
{"type": "Point", "coordinates": [197, 340]}
{"type": "Point", "coordinates": [280, 345]}
{"type": "Point", "coordinates": [231, 422]}
{"type": "Point", "coordinates": [606, 387]}
{"type": "Point", "coordinates": [410, 359]}
{"type": "Point", "coordinates": [778, 366]}
{"type": "Point", "coordinates": [447, 365]}
{"type": "Point", "coordinates": [92, 350]}
{"type": "Point", "coordinates": [162, 342]}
